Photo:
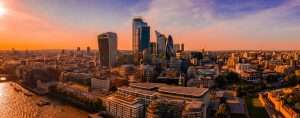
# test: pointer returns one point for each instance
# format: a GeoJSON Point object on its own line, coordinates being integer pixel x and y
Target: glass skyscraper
{"type": "Point", "coordinates": [161, 40]}
{"type": "Point", "coordinates": [107, 43]}
{"type": "Point", "coordinates": [140, 37]}
{"type": "Point", "coordinates": [170, 48]}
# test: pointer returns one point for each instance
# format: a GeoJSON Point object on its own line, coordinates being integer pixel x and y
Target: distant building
{"type": "Point", "coordinates": [153, 48]}
{"type": "Point", "coordinates": [103, 84]}
{"type": "Point", "coordinates": [140, 37]}
{"type": "Point", "coordinates": [107, 43]}
{"type": "Point", "coordinates": [148, 72]}
{"type": "Point", "coordinates": [178, 47]}
{"type": "Point", "coordinates": [88, 50]}
{"type": "Point", "coordinates": [242, 67]}
{"type": "Point", "coordinates": [170, 48]}
{"type": "Point", "coordinates": [161, 40]}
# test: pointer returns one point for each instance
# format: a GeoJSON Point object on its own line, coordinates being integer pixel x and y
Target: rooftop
{"type": "Point", "coordinates": [185, 91]}
{"type": "Point", "coordinates": [137, 91]}
{"type": "Point", "coordinates": [147, 86]}
{"type": "Point", "coordinates": [194, 106]}
{"type": "Point", "coordinates": [131, 100]}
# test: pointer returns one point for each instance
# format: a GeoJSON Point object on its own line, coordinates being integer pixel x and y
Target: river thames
{"type": "Point", "coordinates": [14, 104]}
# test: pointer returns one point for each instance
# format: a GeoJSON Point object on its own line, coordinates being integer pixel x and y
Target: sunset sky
{"type": "Point", "coordinates": [209, 24]}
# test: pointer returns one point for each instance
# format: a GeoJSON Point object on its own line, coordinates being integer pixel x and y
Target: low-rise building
{"type": "Point", "coordinates": [103, 84]}
{"type": "Point", "coordinates": [125, 107]}
{"type": "Point", "coordinates": [187, 94]}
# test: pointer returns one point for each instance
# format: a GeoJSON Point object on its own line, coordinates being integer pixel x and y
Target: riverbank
{"type": "Point", "coordinates": [16, 104]}
{"type": "Point", "coordinates": [91, 104]}
{"type": "Point", "coordinates": [40, 93]}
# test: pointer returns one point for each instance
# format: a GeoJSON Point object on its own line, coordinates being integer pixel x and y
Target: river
{"type": "Point", "coordinates": [15, 104]}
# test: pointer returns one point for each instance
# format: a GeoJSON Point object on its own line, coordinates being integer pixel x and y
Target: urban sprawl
{"type": "Point", "coordinates": [161, 79]}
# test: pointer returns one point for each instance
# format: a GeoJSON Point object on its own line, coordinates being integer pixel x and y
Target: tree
{"type": "Point", "coordinates": [297, 106]}
{"type": "Point", "coordinates": [232, 77]}
{"type": "Point", "coordinates": [272, 78]}
{"type": "Point", "coordinates": [220, 81]}
{"type": "Point", "coordinates": [223, 111]}
{"type": "Point", "coordinates": [291, 79]}
{"type": "Point", "coordinates": [165, 109]}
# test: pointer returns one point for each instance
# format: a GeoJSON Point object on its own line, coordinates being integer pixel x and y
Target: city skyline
{"type": "Point", "coordinates": [209, 24]}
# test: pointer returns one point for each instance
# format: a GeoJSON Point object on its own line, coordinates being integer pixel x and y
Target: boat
{"type": "Point", "coordinates": [28, 94]}
{"type": "Point", "coordinates": [17, 89]}
{"type": "Point", "coordinates": [43, 103]}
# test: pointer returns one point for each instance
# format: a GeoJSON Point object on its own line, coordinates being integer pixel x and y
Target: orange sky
{"type": "Point", "coordinates": [24, 28]}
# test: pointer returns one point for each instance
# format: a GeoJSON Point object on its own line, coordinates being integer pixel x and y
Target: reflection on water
{"type": "Point", "coordinates": [2, 78]}
{"type": "Point", "coordinates": [15, 104]}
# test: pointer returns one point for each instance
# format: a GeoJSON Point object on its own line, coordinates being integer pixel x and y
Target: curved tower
{"type": "Point", "coordinates": [169, 48]}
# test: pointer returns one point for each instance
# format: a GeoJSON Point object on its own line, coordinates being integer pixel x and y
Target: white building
{"type": "Point", "coordinates": [124, 107]}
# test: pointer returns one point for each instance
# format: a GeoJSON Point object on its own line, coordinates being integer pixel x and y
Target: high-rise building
{"type": "Point", "coordinates": [169, 48]}
{"type": "Point", "coordinates": [88, 49]}
{"type": "Point", "coordinates": [107, 43]}
{"type": "Point", "coordinates": [140, 37]}
{"type": "Point", "coordinates": [78, 49]}
{"type": "Point", "coordinates": [161, 40]}
{"type": "Point", "coordinates": [153, 48]}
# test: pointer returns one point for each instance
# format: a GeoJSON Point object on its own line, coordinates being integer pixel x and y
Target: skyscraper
{"type": "Point", "coordinates": [140, 37]}
{"type": "Point", "coordinates": [107, 43]}
{"type": "Point", "coordinates": [161, 44]}
{"type": "Point", "coordinates": [169, 48]}
{"type": "Point", "coordinates": [153, 48]}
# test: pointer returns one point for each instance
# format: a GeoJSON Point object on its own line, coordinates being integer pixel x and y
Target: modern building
{"type": "Point", "coordinates": [147, 72]}
{"type": "Point", "coordinates": [188, 94]}
{"type": "Point", "coordinates": [107, 43]}
{"type": "Point", "coordinates": [124, 107]}
{"type": "Point", "coordinates": [140, 37]}
{"type": "Point", "coordinates": [170, 48]}
{"type": "Point", "coordinates": [161, 40]}
{"type": "Point", "coordinates": [153, 48]}
{"type": "Point", "coordinates": [102, 84]}
{"type": "Point", "coordinates": [145, 95]}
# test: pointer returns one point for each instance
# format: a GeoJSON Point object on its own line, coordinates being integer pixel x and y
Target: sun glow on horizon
{"type": "Point", "coordinates": [2, 9]}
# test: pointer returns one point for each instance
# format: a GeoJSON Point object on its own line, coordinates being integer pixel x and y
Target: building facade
{"type": "Point", "coordinates": [124, 107]}
{"type": "Point", "coordinates": [161, 40]}
{"type": "Point", "coordinates": [107, 43]}
{"type": "Point", "coordinates": [140, 37]}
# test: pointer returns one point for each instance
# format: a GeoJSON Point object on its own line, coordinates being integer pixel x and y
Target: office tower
{"type": "Point", "coordinates": [153, 48]}
{"type": "Point", "coordinates": [107, 43]}
{"type": "Point", "coordinates": [169, 48]}
{"type": "Point", "coordinates": [88, 49]}
{"type": "Point", "coordinates": [161, 40]}
{"type": "Point", "coordinates": [78, 52]}
{"type": "Point", "coordinates": [140, 38]}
